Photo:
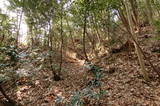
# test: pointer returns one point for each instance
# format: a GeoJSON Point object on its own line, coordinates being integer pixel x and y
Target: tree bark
{"type": "Point", "coordinates": [62, 41]}
{"type": "Point", "coordinates": [149, 11]}
{"type": "Point", "coordinates": [85, 29]}
{"type": "Point", "coordinates": [139, 53]}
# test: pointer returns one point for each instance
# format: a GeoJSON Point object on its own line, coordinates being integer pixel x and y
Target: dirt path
{"type": "Point", "coordinates": [36, 86]}
{"type": "Point", "coordinates": [124, 85]}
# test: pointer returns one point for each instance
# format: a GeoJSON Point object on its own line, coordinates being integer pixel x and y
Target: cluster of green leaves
{"type": "Point", "coordinates": [10, 51]}
{"type": "Point", "coordinates": [97, 75]}
{"type": "Point", "coordinates": [157, 25]}
{"type": "Point", "coordinates": [8, 59]}
{"type": "Point", "coordinates": [41, 16]}
{"type": "Point", "coordinates": [6, 29]}
{"type": "Point", "coordinates": [78, 99]}
{"type": "Point", "coordinates": [87, 94]}
{"type": "Point", "coordinates": [43, 13]}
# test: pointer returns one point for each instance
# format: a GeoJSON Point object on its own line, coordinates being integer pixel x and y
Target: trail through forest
{"type": "Point", "coordinates": [121, 80]}
{"type": "Point", "coordinates": [79, 53]}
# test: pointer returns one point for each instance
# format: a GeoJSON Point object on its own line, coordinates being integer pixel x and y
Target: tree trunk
{"type": "Point", "coordinates": [62, 41]}
{"type": "Point", "coordinates": [18, 26]}
{"type": "Point", "coordinates": [149, 11]}
{"type": "Point", "coordinates": [139, 53]}
{"type": "Point", "coordinates": [85, 29]}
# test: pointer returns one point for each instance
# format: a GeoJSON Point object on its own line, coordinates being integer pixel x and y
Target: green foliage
{"type": "Point", "coordinates": [116, 4]}
{"type": "Point", "coordinates": [79, 98]}
{"type": "Point", "coordinates": [10, 51]}
{"type": "Point", "coordinates": [6, 27]}
{"type": "Point", "coordinates": [157, 25]}
{"type": "Point", "coordinates": [8, 59]}
{"type": "Point", "coordinates": [76, 99]}
{"type": "Point", "coordinates": [88, 93]}
{"type": "Point", "coordinates": [8, 56]}
{"type": "Point", "coordinates": [97, 74]}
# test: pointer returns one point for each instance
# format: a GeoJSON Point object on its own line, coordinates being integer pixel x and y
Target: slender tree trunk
{"type": "Point", "coordinates": [19, 20]}
{"type": "Point", "coordinates": [50, 37]}
{"type": "Point", "coordinates": [95, 24]}
{"type": "Point", "coordinates": [56, 76]}
{"type": "Point", "coordinates": [85, 29]}
{"type": "Point", "coordinates": [139, 53]}
{"type": "Point", "coordinates": [70, 33]}
{"type": "Point", "coordinates": [31, 34]}
{"type": "Point", "coordinates": [134, 6]}
{"type": "Point", "coordinates": [149, 11]}
{"type": "Point", "coordinates": [3, 38]}
{"type": "Point", "coordinates": [62, 41]}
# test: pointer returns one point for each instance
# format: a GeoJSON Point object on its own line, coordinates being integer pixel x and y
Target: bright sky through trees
{"type": "Point", "coordinates": [23, 27]}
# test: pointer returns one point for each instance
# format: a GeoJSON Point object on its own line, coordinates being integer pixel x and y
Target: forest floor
{"type": "Point", "coordinates": [122, 81]}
